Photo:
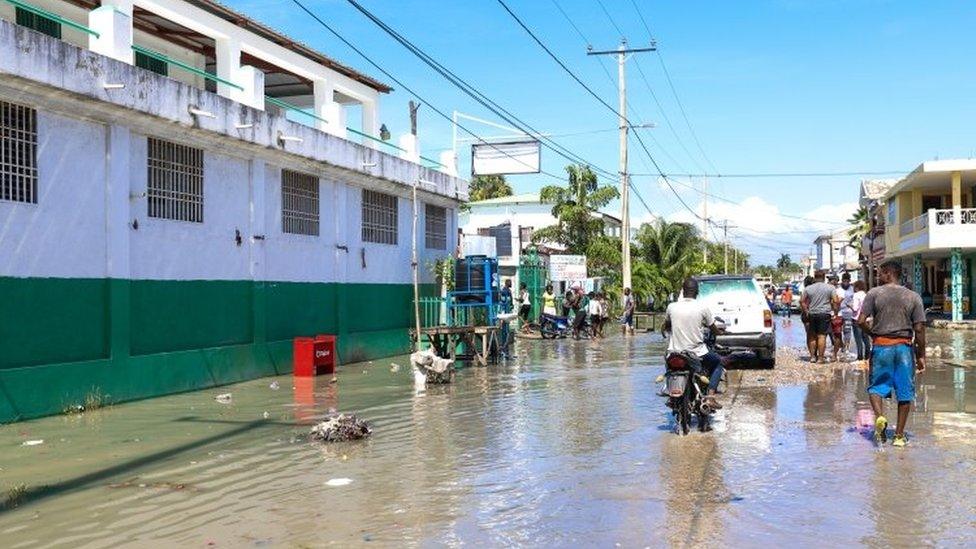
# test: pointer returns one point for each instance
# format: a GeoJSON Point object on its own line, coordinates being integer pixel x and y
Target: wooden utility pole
{"type": "Point", "coordinates": [725, 228]}
{"type": "Point", "coordinates": [622, 53]}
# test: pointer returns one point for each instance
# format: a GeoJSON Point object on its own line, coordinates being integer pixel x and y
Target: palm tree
{"type": "Point", "coordinates": [861, 227]}
{"type": "Point", "coordinates": [784, 262]}
{"type": "Point", "coordinates": [672, 247]}
{"type": "Point", "coordinates": [573, 206]}
{"type": "Point", "coordinates": [484, 187]}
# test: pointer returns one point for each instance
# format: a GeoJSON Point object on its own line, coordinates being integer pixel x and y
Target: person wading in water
{"type": "Point", "coordinates": [895, 318]}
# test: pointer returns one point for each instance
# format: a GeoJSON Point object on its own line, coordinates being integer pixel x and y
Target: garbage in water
{"type": "Point", "coordinates": [33, 442]}
{"type": "Point", "coordinates": [394, 367]}
{"type": "Point", "coordinates": [341, 428]}
{"type": "Point", "coordinates": [223, 398]}
{"type": "Point", "coordinates": [338, 482]}
{"type": "Point", "coordinates": [274, 386]}
{"type": "Point", "coordinates": [266, 415]}
{"type": "Point", "coordinates": [434, 368]}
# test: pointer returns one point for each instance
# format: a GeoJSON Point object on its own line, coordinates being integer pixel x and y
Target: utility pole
{"type": "Point", "coordinates": [622, 53]}
{"type": "Point", "coordinates": [705, 219]}
{"type": "Point", "coordinates": [725, 229]}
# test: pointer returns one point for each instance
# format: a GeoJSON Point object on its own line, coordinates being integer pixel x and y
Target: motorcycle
{"type": "Point", "coordinates": [685, 387]}
{"type": "Point", "coordinates": [552, 326]}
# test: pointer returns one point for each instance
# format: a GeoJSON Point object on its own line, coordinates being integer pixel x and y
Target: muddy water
{"type": "Point", "coordinates": [566, 445]}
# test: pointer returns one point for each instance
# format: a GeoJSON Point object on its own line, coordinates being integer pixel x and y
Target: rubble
{"type": "Point", "coordinates": [340, 428]}
{"type": "Point", "coordinates": [433, 368]}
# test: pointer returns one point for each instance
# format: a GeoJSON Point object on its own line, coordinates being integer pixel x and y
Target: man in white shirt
{"type": "Point", "coordinates": [683, 324]}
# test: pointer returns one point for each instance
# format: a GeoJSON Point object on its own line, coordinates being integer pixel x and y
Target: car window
{"type": "Point", "coordinates": [733, 286]}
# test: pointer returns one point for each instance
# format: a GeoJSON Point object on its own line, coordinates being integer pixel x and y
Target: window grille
{"type": "Point", "coordinates": [157, 66]}
{"type": "Point", "coordinates": [299, 203]}
{"type": "Point", "coordinates": [37, 22]}
{"type": "Point", "coordinates": [175, 189]}
{"type": "Point", "coordinates": [435, 227]}
{"type": "Point", "coordinates": [379, 218]}
{"type": "Point", "coordinates": [525, 235]}
{"type": "Point", "coordinates": [18, 153]}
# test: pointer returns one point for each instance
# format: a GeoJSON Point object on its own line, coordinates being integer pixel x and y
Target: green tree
{"type": "Point", "coordinates": [861, 226]}
{"type": "Point", "coordinates": [573, 206]}
{"type": "Point", "coordinates": [674, 248]}
{"type": "Point", "coordinates": [484, 187]}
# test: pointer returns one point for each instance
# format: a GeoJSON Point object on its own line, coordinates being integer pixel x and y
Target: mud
{"type": "Point", "coordinates": [566, 445]}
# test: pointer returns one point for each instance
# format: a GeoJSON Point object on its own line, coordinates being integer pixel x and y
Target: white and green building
{"type": "Point", "coordinates": [183, 191]}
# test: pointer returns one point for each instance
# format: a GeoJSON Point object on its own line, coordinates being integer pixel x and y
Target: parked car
{"type": "Point", "coordinates": [740, 302]}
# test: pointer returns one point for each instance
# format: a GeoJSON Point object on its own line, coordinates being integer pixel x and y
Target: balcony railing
{"type": "Point", "coordinates": [967, 216]}
{"type": "Point", "coordinates": [915, 224]}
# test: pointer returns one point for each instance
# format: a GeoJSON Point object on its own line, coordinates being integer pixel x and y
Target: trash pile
{"type": "Point", "coordinates": [431, 367]}
{"type": "Point", "coordinates": [340, 428]}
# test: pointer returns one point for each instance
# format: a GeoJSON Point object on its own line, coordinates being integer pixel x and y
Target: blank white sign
{"type": "Point", "coordinates": [505, 158]}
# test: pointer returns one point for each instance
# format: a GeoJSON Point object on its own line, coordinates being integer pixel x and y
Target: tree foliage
{"type": "Point", "coordinates": [484, 187]}
{"type": "Point", "coordinates": [574, 206]}
{"type": "Point", "coordinates": [861, 225]}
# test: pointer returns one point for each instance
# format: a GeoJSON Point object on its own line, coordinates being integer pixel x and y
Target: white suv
{"type": "Point", "coordinates": [739, 301]}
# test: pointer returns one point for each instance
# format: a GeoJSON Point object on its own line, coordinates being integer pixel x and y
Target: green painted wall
{"type": "Point", "coordinates": [63, 339]}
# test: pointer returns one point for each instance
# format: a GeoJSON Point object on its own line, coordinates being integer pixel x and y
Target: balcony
{"type": "Point", "coordinates": [938, 230]}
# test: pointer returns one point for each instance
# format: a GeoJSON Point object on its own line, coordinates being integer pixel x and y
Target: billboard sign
{"type": "Point", "coordinates": [567, 267]}
{"type": "Point", "coordinates": [513, 157]}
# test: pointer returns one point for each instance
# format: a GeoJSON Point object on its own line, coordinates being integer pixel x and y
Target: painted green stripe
{"type": "Point", "coordinates": [129, 339]}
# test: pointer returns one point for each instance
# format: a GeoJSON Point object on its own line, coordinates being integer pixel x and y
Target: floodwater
{"type": "Point", "coordinates": [565, 446]}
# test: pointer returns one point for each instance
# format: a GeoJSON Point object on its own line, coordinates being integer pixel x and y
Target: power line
{"type": "Point", "coordinates": [674, 91]}
{"type": "Point", "coordinates": [420, 98]}
{"type": "Point", "coordinates": [780, 174]}
{"type": "Point", "coordinates": [569, 71]}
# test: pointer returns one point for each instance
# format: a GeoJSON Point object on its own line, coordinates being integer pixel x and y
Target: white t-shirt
{"type": "Point", "coordinates": [688, 317]}
{"type": "Point", "coordinates": [857, 300]}
{"type": "Point", "coordinates": [846, 298]}
{"type": "Point", "coordinates": [594, 308]}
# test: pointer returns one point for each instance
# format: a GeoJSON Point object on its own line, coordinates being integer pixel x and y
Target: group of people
{"type": "Point", "coordinates": [887, 325]}
{"type": "Point", "coordinates": [829, 312]}
{"type": "Point", "coordinates": [589, 311]}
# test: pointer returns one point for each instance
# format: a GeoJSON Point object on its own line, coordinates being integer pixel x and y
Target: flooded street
{"type": "Point", "coordinates": [567, 445]}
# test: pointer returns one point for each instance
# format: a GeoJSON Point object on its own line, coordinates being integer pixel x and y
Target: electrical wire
{"type": "Point", "coordinates": [420, 98]}
{"type": "Point", "coordinates": [780, 174]}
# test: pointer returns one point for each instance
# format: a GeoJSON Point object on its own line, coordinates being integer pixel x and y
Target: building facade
{"type": "Point", "coordinates": [930, 226]}
{"type": "Point", "coordinates": [169, 222]}
{"type": "Point", "coordinates": [833, 252]}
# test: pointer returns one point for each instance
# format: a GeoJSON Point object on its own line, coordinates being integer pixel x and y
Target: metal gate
{"type": "Point", "coordinates": [532, 272]}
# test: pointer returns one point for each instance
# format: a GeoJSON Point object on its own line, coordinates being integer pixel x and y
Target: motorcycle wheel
{"type": "Point", "coordinates": [547, 330]}
{"type": "Point", "coordinates": [683, 415]}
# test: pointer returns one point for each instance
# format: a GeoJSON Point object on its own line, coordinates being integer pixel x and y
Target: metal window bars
{"type": "Point", "coordinates": [435, 227]}
{"type": "Point", "coordinates": [189, 68]}
{"type": "Point", "coordinates": [18, 153]}
{"type": "Point", "coordinates": [379, 217]}
{"type": "Point", "coordinates": [299, 203]}
{"type": "Point", "coordinates": [175, 185]}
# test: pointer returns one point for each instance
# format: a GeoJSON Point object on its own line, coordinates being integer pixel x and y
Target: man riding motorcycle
{"type": "Point", "coordinates": [683, 324]}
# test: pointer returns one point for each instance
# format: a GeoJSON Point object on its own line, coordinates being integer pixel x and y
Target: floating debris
{"type": "Point", "coordinates": [33, 442]}
{"type": "Point", "coordinates": [274, 386]}
{"type": "Point", "coordinates": [338, 482]}
{"type": "Point", "coordinates": [434, 368]}
{"type": "Point", "coordinates": [340, 428]}
{"type": "Point", "coordinates": [394, 367]}
{"type": "Point", "coordinates": [266, 415]}
{"type": "Point", "coordinates": [223, 398]}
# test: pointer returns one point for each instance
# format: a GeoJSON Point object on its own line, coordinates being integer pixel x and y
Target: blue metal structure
{"type": "Point", "coordinates": [475, 298]}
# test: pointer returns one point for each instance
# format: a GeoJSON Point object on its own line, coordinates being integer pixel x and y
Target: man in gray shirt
{"type": "Point", "coordinates": [817, 304]}
{"type": "Point", "coordinates": [895, 318]}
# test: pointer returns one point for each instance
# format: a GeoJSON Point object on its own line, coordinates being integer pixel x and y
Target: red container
{"type": "Point", "coordinates": [313, 356]}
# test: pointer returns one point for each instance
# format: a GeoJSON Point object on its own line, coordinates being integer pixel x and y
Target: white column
{"type": "Point", "coordinates": [258, 219]}
{"type": "Point", "coordinates": [411, 148]}
{"type": "Point", "coordinates": [327, 108]}
{"type": "Point", "coordinates": [228, 57]}
{"type": "Point", "coordinates": [449, 163]}
{"type": "Point", "coordinates": [113, 23]}
{"type": "Point", "coordinates": [371, 123]}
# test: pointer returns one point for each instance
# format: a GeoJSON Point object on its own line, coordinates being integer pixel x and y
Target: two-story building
{"type": "Point", "coordinates": [930, 225]}
{"type": "Point", "coordinates": [835, 253]}
{"type": "Point", "coordinates": [184, 190]}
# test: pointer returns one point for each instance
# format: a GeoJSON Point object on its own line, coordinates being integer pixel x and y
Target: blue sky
{"type": "Point", "coordinates": [768, 86]}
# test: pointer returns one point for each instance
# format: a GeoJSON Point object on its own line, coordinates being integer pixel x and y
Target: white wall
{"type": "Point", "coordinates": [63, 234]}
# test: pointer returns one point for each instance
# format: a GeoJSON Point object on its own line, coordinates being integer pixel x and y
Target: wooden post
{"type": "Point", "coordinates": [413, 262]}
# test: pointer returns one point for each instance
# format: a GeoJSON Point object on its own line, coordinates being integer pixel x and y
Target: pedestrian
{"type": "Point", "coordinates": [786, 301]}
{"type": "Point", "coordinates": [650, 303]}
{"type": "Point", "coordinates": [579, 311]}
{"type": "Point", "coordinates": [817, 303]}
{"type": "Point", "coordinates": [895, 318]}
{"type": "Point", "coordinates": [549, 301]}
{"type": "Point", "coordinates": [568, 303]}
{"type": "Point", "coordinates": [805, 318]}
{"type": "Point", "coordinates": [628, 320]}
{"type": "Point", "coordinates": [595, 311]}
{"type": "Point", "coordinates": [604, 311]}
{"type": "Point", "coordinates": [836, 321]}
{"type": "Point", "coordinates": [506, 296]}
{"type": "Point", "coordinates": [844, 296]}
{"type": "Point", "coordinates": [862, 340]}
{"type": "Point", "coordinates": [525, 306]}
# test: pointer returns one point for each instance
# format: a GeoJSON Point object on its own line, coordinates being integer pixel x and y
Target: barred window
{"type": "Point", "coordinates": [175, 189]}
{"type": "Point", "coordinates": [38, 22]}
{"type": "Point", "coordinates": [379, 217]}
{"type": "Point", "coordinates": [18, 153]}
{"type": "Point", "coordinates": [299, 203]}
{"type": "Point", "coordinates": [435, 227]}
{"type": "Point", "coordinates": [157, 66]}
